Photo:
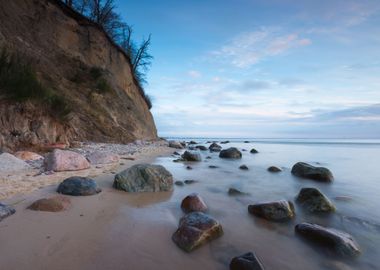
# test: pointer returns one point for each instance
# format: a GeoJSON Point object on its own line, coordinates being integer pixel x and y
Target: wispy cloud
{"type": "Point", "coordinates": [249, 48]}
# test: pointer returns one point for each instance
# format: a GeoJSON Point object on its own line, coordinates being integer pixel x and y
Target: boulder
{"type": "Point", "coordinates": [214, 147]}
{"type": "Point", "coordinates": [54, 204]}
{"type": "Point", "coordinates": [193, 142]}
{"type": "Point", "coordinates": [243, 167]}
{"type": "Point", "coordinates": [144, 178]}
{"type": "Point", "coordinates": [78, 186]}
{"type": "Point", "coordinates": [189, 182]}
{"type": "Point", "coordinates": [6, 211]}
{"type": "Point", "coordinates": [28, 156]}
{"type": "Point", "coordinates": [196, 229]}
{"type": "Point", "coordinates": [231, 152]}
{"type": "Point", "coordinates": [191, 156]}
{"type": "Point", "coordinates": [341, 242]}
{"type": "Point", "coordinates": [224, 142]}
{"type": "Point", "coordinates": [235, 192]}
{"type": "Point", "coordinates": [275, 211]}
{"type": "Point", "coordinates": [305, 170]}
{"type": "Point", "coordinates": [314, 200]}
{"type": "Point", "coordinates": [64, 160]}
{"type": "Point", "coordinates": [193, 203]}
{"type": "Point", "coordinates": [176, 153]}
{"type": "Point", "coordinates": [274, 169]}
{"type": "Point", "coordinates": [179, 183]}
{"type": "Point", "coordinates": [10, 163]}
{"type": "Point", "coordinates": [201, 147]}
{"type": "Point", "coordinates": [253, 151]}
{"type": "Point", "coordinates": [175, 144]}
{"type": "Point", "coordinates": [247, 261]}
{"type": "Point", "coordinates": [99, 157]}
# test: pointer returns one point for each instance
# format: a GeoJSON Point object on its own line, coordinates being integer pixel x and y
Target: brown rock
{"type": "Point", "coordinates": [63, 160]}
{"type": "Point", "coordinates": [99, 157]}
{"type": "Point", "coordinates": [27, 156]}
{"type": "Point", "coordinates": [193, 203]}
{"type": "Point", "coordinates": [54, 204]}
{"type": "Point", "coordinates": [274, 211]}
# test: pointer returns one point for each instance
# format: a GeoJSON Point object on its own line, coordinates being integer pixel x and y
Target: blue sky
{"type": "Point", "coordinates": [262, 68]}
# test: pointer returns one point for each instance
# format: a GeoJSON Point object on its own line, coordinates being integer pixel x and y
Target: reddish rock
{"type": "Point", "coordinates": [99, 157]}
{"type": "Point", "coordinates": [193, 203]}
{"type": "Point", "coordinates": [54, 204]}
{"type": "Point", "coordinates": [26, 155]}
{"type": "Point", "coordinates": [63, 160]}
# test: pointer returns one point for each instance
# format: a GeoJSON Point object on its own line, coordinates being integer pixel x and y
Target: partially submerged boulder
{"type": "Point", "coordinates": [78, 186]}
{"type": "Point", "coordinates": [6, 211]}
{"type": "Point", "coordinates": [175, 144]}
{"type": "Point", "coordinates": [304, 170]}
{"type": "Point", "coordinates": [247, 261]}
{"type": "Point", "coordinates": [214, 147]}
{"type": "Point", "coordinates": [314, 200]}
{"type": "Point", "coordinates": [144, 178]}
{"type": "Point", "coordinates": [254, 151]}
{"type": "Point", "coordinates": [274, 169]}
{"type": "Point", "coordinates": [275, 211]}
{"type": "Point", "coordinates": [28, 156]}
{"type": "Point", "coordinates": [243, 167]}
{"type": "Point", "coordinates": [54, 204]}
{"type": "Point", "coordinates": [193, 203]}
{"type": "Point", "coordinates": [10, 163]}
{"type": "Point", "coordinates": [191, 156]}
{"type": "Point", "coordinates": [100, 157]}
{"type": "Point", "coordinates": [201, 147]}
{"type": "Point", "coordinates": [236, 192]}
{"type": "Point", "coordinates": [64, 160]}
{"type": "Point", "coordinates": [196, 229]}
{"type": "Point", "coordinates": [341, 242]}
{"type": "Point", "coordinates": [232, 153]}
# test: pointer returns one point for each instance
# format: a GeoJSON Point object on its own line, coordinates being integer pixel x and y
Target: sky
{"type": "Point", "coordinates": [262, 68]}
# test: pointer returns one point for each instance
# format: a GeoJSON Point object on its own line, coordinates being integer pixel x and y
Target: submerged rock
{"type": "Point", "coordinates": [176, 144]}
{"type": "Point", "coordinates": [243, 167]}
{"type": "Point", "coordinates": [213, 167]}
{"type": "Point", "coordinates": [254, 151]}
{"type": "Point", "coordinates": [196, 229]}
{"type": "Point", "coordinates": [179, 183]}
{"type": "Point", "coordinates": [10, 163]}
{"type": "Point", "coordinates": [224, 142]}
{"type": "Point", "coordinates": [201, 147]}
{"type": "Point", "coordinates": [235, 192]}
{"type": "Point", "coordinates": [144, 178]}
{"type": "Point", "coordinates": [247, 261]}
{"type": "Point", "coordinates": [341, 242]}
{"type": "Point", "coordinates": [28, 156]}
{"type": "Point", "coordinates": [54, 204]}
{"type": "Point", "coordinates": [64, 160]}
{"type": "Point", "coordinates": [189, 167]}
{"type": "Point", "coordinates": [231, 152]}
{"type": "Point", "coordinates": [275, 211]}
{"type": "Point", "coordinates": [314, 201]}
{"type": "Point", "coordinates": [78, 186]}
{"type": "Point", "coordinates": [274, 169]}
{"type": "Point", "coordinates": [6, 211]}
{"type": "Point", "coordinates": [189, 182]}
{"type": "Point", "coordinates": [214, 147]}
{"type": "Point", "coordinates": [305, 170]}
{"type": "Point", "coordinates": [193, 142]}
{"type": "Point", "coordinates": [176, 153]}
{"type": "Point", "coordinates": [100, 157]}
{"type": "Point", "coordinates": [191, 156]}
{"type": "Point", "coordinates": [193, 203]}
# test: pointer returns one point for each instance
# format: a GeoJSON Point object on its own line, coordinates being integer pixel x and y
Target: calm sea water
{"type": "Point", "coordinates": [355, 165]}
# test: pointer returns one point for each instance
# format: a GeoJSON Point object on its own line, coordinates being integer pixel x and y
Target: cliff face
{"type": "Point", "coordinates": [66, 51]}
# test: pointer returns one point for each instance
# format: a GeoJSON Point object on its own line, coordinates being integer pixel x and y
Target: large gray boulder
{"type": "Point", "coordinates": [314, 200]}
{"type": "Point", "coordinates": [6, 211]}
{"type": "Point", "coordinates": [304, 170]}
{"type": "Point", "coordinates": [231, 152]}
{"type": "Point", "coordinates": [191, 156]}
{"type": "Point", "coordinates": [9, 163]}
{"type": "Point", "coordinates": [214, 147]}
{"type": "Point", "coordinates": [78, 186]}
{"type": "Point", "coordinates": [64, 160]}
{"type": "Point", "coordinates": [144, 178]}
{"type": "Point", "coordinates": [196, 229]}
{"type": "Point", "coordinates": [341, 242]}
{"type": "Point", "coordinates": [275, 211]}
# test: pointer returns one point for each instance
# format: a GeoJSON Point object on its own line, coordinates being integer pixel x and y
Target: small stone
{"type": "Point", "coordinates": [189, 167]}
{"type": "Point", "coordinates": [247, 261]}
{"type": "Point", "coordinates": [254, 151]}
{"type": "Point", "coordinates": [243, 167]}
{"type": "Point", "coordinates": [235, 192]}
{"type": "Point", "coordinates": [189, 182]}
{"type": "Point", "coordinates": [274, 169]}
{"type": "Point", "coordinates": [178, 183]}
{"type": "Point", "coordinates": [6, 211]}
{"type": "Point", "coordinates": [213, 167]}
{"type": "Point", "coordinates": [54, 204]}
{"type": "Point", "coordinates": [193, 203]}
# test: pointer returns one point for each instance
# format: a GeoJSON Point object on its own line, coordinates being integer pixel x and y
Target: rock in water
{"type": "Point", "coordinates": [196, 229]}
{"type": "Point", "coordinates": [191, 156]}
{"type": "Point", "coordinates": [144, 178]}
{"type": "Point", "coordinates": [314, 201]}
{"type": "Point", "coordinates": [201, 147]}
{"type": "Point", "coordinates": [305, 170]}
{"type": "Point", "coordinates": [175, 144]}
{"type": "Point", "coordinates": [64, 160]}
{"type": "Point", "coordinates": [10, 163]}
{"type": "Point", "coordinates": [54, 204]}
{"type": "Point", "coordinates": [193, 203]}
{"type": "Point", "coordinates": [274, 169]}
{"type": "Point", "coordinates": [6, 211]}
{"type": "Point", "coordinates": [189, 182]}
{"type": "Point", "coordinates": [231, 152]}
{"type": "Point", "coordinates": [99, 157]}
{"type": "Point", "coordinates": [254, 151]}
{"type": "Point", "coordinates": [214, 147]}
{"type": "Point", "coordinates": [247, 261]}
{"type": "Point", "coordinates": [243, 167]}
{"type": "Point", "coordinates": [275, 211]}
{"type": "Point", "coordinates": [179, 183]}
{"type": "Point", "coordinates": [235, 192]}
{"type": "Point", "coordinates": [339, 241]}
{"type": "Point", "coordinates": [28, 156]}
{"type": "Point", "coordinates": [78, 186]}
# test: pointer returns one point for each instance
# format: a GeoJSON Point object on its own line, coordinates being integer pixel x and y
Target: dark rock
{"type": "Point", "coordinates": [201, 147]}
{"type": "Point", "coordinates": [189, 167]}
{"type": "Point", "coordinates": [231, 152]}
{"type": "Point", "coordinates": [274, 169]}
{"type": "Point", "coordinates": [176, 153]}
{"type": "Point", "coordinates": [305, 170]}
{"type": "Point", "coordinates": [243, 167]}
{"type": "Point", "coordinates": [78, 186]}
{"type": "Point", "coordinates": [214, 147]}
{"type": "Point", "coordinates": [196, 229]}
{"type": "Point", "coordinates": [247, 261]}
{"type": "Point", "coordinates": [192, 148]}
{"type": "Point", "coordinates": [178, 160]}
{"type": "Point", "coordinates": [183, 144]}
{"type": "Point", "coordinates": [179, 183]}
{"type": "Point", "coordinates": [193, 203]}
{"type": "Point", "coordinates": [314, 201]}
{"type": "Point", "coordinates": [246, 141]}
{"type": "Point", "coordinates": [213, 167]}
{"type": "Point", "coordinates": [235, 192]}
{"type": "Point", "coordinates": [6, 211]}
{"type": "Point", "coordinates": [189, 182]}
{"type": "Point", "coordinates": [275, 211]}
{"type": "Point", "coordinates": [193, 142]}
{"type": "Point", "coordinates": [254, 151]}
{"type": "Point", "coordinates": [244, 150]}
{"type": "Point", "coordinates": [208, 157]}
{"type": "Point", "coordinates": [341, 242]}
{"type": "Point", "coordinates": [191, 156]}
{"type": "Point", "coordinates": [54, 204]}
{"type": "Point", "coordinates": [144, 178]}
{"type": "Point", "coordinates": [175, 144]}
{"type": "Point", "coordinates": [224, 142]}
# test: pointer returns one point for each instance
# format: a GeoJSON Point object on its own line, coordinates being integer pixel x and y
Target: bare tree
{"type": "Point", "coordinates": [142, 59]}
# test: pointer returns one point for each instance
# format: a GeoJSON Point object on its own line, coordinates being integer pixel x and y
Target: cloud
{"type": "Point", "coordinates": [250, 48]}
{"type": "Point", "coordinates": [194, 74]}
